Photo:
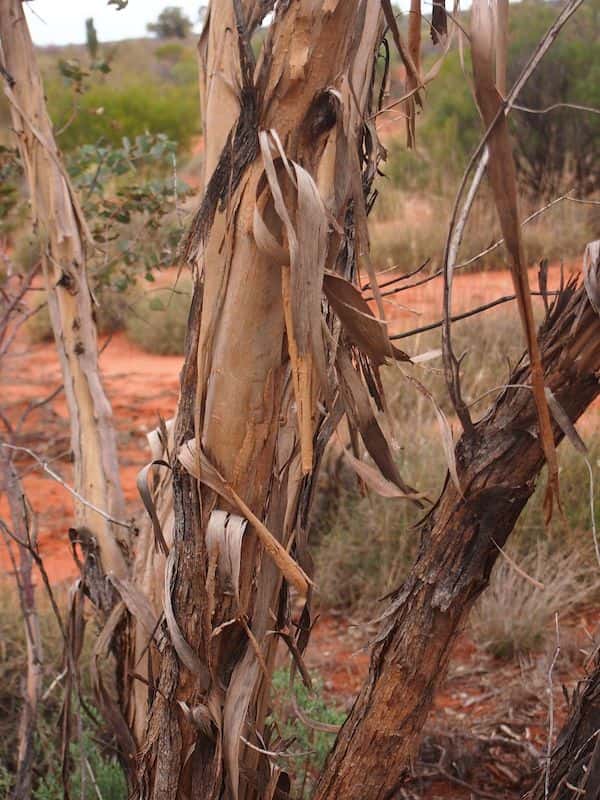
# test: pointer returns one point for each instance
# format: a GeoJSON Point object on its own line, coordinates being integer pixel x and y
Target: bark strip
{"type": "Point", "coordinates": [64, 237]}
{"type": "Point", "coordinates": [497, 470]}
{"type": "Point", "coordinates": [259, 385]}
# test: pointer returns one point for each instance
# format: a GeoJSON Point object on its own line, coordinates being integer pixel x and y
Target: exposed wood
{"type": "Point", "coordinates": [497, 470]}
{"type": "Point", "coordinates": [259, 383]}
{"type": "Point", "coordinates": [64, 238]}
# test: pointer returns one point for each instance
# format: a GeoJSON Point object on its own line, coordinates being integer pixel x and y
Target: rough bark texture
{"type": "Point", "coordinates": [64, 238]}
{"type": "Point", "coordinates": [575, 762]}
{"type": "Point", "coordinates": [460, 538]}
{"type": "Point", "coordinates": [251, 379]}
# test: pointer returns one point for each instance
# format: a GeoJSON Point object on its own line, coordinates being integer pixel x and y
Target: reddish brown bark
{"type": "Point", "coordinates": [575, 761]}
{"type": "Point", "coordinates": [498, 469]}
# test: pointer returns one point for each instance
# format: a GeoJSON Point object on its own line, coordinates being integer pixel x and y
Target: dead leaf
{"type": "Point", "coordinates": [439, 21]}
{"type": "Point", "coordinates": [502, 175]}
{"type": "Point", "coordinates": [359, 410]}
{"type": "Point", "coordinates": [224, 535]}
{"type": "Point", "coordinates": [364, 330]}
{"type": "Point", "coordinates": [591, 274]}
{"type": "Point", "coordinates": [143, 487]}
{"type": "Point", "coordinates": [210, 476]}
{"type": "Point", "coordinates": [564, 422]}
{"type": "Point", "coordinates": [306, 228]}
{"type": "Point", "coordinates": [374, 479]}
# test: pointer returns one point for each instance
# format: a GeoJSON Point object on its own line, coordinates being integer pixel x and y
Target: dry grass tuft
{"type": "Point", "coordinates": [514, 617]}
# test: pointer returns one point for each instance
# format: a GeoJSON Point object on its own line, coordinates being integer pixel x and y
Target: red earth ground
{"type": "Point", "coordinates": [482, 698]}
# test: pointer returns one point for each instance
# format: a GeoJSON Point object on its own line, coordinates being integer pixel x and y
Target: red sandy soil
{"type": "Point", "coordinates": [483, 699]}
{"type": "Point", "coordinates": [142, 386]}
{"type": "Point", "coordinates": [480, 694]}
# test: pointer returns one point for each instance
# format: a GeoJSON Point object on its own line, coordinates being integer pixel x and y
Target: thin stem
{"type": "Point", "coordinates": [465, 314]}
{"type": "Point", "coordinates": [48, 470]}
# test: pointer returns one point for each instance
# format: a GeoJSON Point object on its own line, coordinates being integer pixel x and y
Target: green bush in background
{"type": "Point", "coordinates": [158, 322]}
{"type": "Point", "coordinates": [111, 113]}
{"type": "Point", "coordinates": [312, 746]}
{"type": "Point", "coordinates": [555, 151]}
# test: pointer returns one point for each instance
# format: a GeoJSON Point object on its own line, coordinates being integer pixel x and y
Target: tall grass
{"type": "Point", "coordinates": [409, 226]}
{"type": "Point", "coordinates": [514, 616]}
{"type": "Point", "coordinates": [158, 321]}
{"type": "Point", "coordinates": [365, 545]}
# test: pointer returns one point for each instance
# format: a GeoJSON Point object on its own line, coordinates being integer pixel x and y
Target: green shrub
{"type": "Point", "coordinates": [27, 252]}
{"type": "Point", "coordinates": [312, 745]}
{"type": "Point", "coordinates": [110, 314]}
{"type": "Point", "coordinates": [95, 744]}
{"type": "Point", "coordinates": [364, 549]}
{"type": "Point", "coordinates": [158, 322]}
{"type": "Point", "coordinates": [170, 52]}
{"type": "Point", "coordinates": [87, 757]}
{"type": "Point", "coordinates": [38, 326]}
{"type": "Point", "coordinates": [111, 112]}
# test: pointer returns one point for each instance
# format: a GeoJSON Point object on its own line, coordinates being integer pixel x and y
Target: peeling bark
{"type": "Point", "coordinates": [460, 538]}
{"type": "Point", "coordinates": [64, 238]}
{"type": "Point", "coordinates": [251, 382]}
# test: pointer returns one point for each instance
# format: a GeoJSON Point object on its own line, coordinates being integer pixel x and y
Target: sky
{"type": "Point", "coordinates": [63, 21]}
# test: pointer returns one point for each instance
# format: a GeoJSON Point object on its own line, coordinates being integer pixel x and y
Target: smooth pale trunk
{"type": "Point", "coordinates": [64, 239]}
{"type": "Point", "coordinates": [237, 375]}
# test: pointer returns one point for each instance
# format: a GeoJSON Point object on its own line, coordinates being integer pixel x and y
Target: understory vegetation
{"type": "Point", "coordinates": [127, 119]}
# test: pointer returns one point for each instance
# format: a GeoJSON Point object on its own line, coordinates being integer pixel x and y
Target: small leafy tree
{"type": "Point", "coordinates": [91, 37]}
{"type": "Point", "coordinates": [172, 23]}
{"type": "Point", "coordinates": [556, 147]}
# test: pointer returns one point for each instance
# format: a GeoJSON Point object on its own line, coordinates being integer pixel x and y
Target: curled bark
{"type": "Point", "coordinates": [260, 394]}
{"type": "Point", "coordinates": [497, 470]}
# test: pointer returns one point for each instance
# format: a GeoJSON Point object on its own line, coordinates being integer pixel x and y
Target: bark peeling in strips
{"type": "Point", "coordinates": [64, 236]}
{"type": "Point", "coordinates": [286, 141]}
{"type": "Point", "coordinates": [497, 470]}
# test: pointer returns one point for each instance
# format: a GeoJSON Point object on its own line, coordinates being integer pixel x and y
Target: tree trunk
{"type": "Point", "coordinates": [64, 238]}
{"type": "Point", "coordinates": [460, 540]}
{"type": "Point", "coordinates": [575, 762]}
{"type": "Point", "coordinates": [259, 395]}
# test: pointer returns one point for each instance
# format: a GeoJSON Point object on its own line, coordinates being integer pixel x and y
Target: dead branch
{"type": "Point", "coordinates": [465, 314]}
{"type": "Point", "coordinates": [23, 577]}
{"type": "Point", "coordinates": [55, 476]}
